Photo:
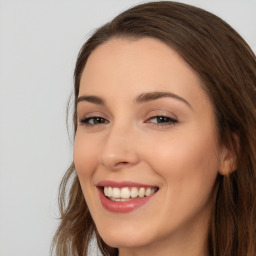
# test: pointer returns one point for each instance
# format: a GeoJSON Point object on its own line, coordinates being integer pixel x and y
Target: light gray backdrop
{"type": "Point", "coordinates": [39, 41]}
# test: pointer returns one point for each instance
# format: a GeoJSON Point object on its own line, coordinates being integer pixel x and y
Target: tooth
{"type": "Point", "coordinates": [109, 191]}
{"type": "Point", "coordinates": [134, 192]}
{"type": "Point", "coordinates": [142, 192]}
{"type": "Point", "coordinates": [125, 193]}
{"type": "Point", "coordinates": [148, 192]}
{"type": "Point", "coordinates": [105, 191]}
{"type": "Point", "coordinates": [116, 192]}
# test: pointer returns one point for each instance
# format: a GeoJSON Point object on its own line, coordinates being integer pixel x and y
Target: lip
{"type": "Point", "coordinates": [122, 184]}
{"type": "Point", "coordinates": [125, 206]}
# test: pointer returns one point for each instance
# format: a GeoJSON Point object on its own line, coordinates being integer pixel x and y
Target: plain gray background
{"type": "Point", "coordinates": [39, 42]}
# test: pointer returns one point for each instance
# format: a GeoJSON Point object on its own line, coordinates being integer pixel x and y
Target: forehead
{"type": "Point", "coordinates": [134, 66]}
{"type": "Point", "coordinates": [136, 55]}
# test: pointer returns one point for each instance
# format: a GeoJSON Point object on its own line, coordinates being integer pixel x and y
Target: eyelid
{"type": "Point", "coordinates": [158, 117]}
{"type": "Point", "coordinates": [162, 120]}
{"type": "Point", "coordinates": [95, 123]}
{"type": "Point", "coordinates": [91, 115]}
{"type": "Point", "coordinates": [161, 112]}
{"type": "Point", "coordinates": [86, 114]}
{"type": "Point", "coordinates": [168, 118]}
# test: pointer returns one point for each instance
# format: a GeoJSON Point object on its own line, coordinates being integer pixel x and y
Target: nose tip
{"type": "Point", "coordinates": [118, 151]}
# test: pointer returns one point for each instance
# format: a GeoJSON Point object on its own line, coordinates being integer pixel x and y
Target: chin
{"type": "Point", "coordinates": [125, 238]}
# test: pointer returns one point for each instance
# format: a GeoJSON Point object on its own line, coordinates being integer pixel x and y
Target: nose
{"type": "Point", "coordinates": [119, 149]}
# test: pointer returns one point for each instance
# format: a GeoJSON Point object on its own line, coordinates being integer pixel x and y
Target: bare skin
{"type": "Point", "coordinates": [148, 121]}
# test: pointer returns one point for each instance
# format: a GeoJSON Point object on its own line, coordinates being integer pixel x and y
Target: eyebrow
{"type": "Point", "coordinates": [142, 98]}
{"type": "Point", "coordinates": [90, 98]}
{"type": "Point", "coordinates": [150, 96]}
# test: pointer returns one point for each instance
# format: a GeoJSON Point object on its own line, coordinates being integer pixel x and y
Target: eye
{"type": "Point", "coordinates": [93, 120]}
{"type": "Point", "coordinates": [162, 120]}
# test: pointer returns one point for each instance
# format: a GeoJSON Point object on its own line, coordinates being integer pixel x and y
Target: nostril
{"type": "Point", "coordinates": [121, 163]}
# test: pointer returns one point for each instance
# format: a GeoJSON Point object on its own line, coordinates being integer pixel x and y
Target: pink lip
{"type": "Point", "coordinates": [118, 206]}
{"type": "Point", "coordinates": [122, 184]}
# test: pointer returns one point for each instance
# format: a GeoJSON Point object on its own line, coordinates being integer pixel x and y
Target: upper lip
{"type": "Point", "coordinates": [122, 184]}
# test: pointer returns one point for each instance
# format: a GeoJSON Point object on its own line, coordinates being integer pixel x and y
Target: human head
{"type": "Point", "coordinates": [227, 68]}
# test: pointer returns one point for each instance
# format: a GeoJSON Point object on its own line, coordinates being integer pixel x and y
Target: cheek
{"type": "Point", "coordinates": [188, 166]}
{"type": "Point", "coordinates": [186, 160]}
{"type": "Point", "coordinates": [85, 155]}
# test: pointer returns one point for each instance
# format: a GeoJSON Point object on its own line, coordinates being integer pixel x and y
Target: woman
{"type": "Point", "coordinates": [165, 138]}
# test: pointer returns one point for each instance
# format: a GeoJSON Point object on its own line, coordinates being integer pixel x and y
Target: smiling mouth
{"type": "Point", "coordinates": [128, 193]}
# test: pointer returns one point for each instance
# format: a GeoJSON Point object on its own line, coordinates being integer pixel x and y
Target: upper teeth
{"type": "Point", "coordinates": [126, 193]}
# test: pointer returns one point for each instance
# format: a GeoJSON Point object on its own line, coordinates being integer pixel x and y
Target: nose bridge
{"type": "Point", "coordinates": [118, 147]}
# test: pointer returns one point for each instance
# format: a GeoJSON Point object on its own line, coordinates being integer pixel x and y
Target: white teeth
{"type": "Point", "coordinates": [110, 191]}
{"type": "Point", "coordinates": [124, 194]}
{"type": "Point", "coordinates": [116, 192]}
{"type": "Point", "coordinates": [134, 192]}
{"type": "Point", "coordinates": [105, 191]}
{"type": "Point", "coordinates": [142, 192]}
{"type": "Point", "coordinates": [119, 199]}
{"type": "Point", "coordinates": [148, 192]}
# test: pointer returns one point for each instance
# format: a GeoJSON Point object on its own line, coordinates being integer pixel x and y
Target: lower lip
{"type": "Point", "coordinates": [125, 206]}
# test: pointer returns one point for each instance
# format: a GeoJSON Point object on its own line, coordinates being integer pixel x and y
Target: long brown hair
{"type": "Point", "coordinates": [227, 67]}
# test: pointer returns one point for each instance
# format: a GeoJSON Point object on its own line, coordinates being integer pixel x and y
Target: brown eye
{"type": "Point", "coordinates": [94, 120]}
{"type": "Point", "coordinates": [162, 120]}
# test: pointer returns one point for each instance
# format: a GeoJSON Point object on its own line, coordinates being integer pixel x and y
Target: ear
{"type": "Point", "coordinates": [228, 157]}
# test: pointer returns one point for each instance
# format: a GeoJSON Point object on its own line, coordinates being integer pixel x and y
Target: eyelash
{"type": "Point", "coordinates": [160, 121]}
{"type": "Point", "coordinates": [163, 120]}
{"type": "Point", "coordinates": [86, 121]}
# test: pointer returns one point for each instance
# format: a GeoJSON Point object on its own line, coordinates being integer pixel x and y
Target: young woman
{"type": "Point", "coordinates": [165, 138]}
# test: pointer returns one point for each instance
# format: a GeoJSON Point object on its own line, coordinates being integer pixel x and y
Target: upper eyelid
{"type": "Point", "coordinates": [86, 121]}
{"type": "Point", "coordinates": [167, 116]}
{"type": "Point", "coordinates": [172, 120]}
{"type": "Point", "coordinates": [161, 112]}
{"type": "Point", "coordinates": [91, 117]}
{"type": "Point", "coordinates": [85, 114]}
{"type": "Point", "coordinates": [147, 113]}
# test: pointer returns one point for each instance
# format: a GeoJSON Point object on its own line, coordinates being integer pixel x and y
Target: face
{"type": "Point", "coordinates": [147, 138]}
